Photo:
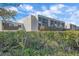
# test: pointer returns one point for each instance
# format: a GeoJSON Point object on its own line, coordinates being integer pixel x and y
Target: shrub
{"type": "Point", "coordinates": [44, 43]}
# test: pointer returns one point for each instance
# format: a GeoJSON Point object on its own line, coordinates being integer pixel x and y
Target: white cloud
{"type": "Point", "coordinates": [73, 22]}
{"type": "Point", "coordinates": [44, 8]}
{"type": "Point", "coordinates": [71, 9]}
{"type": "Point", "coordinates": [38, 12]}
{"type": "Point", "coordinates": [74, 15]}
{"type": "Point", "coordinates": [50, 12]}
{"type": "Point", "coordinates": [56, 8]}
{"type": "Point", "coordinates": [27, 7]}
{"type": "Point", "coordinates": [60, 6]}
{"type": "Point", "coordinates": [12, 8]}
{"type": "Point", "coordinates": [45, 13]}
{"type": "Point", "coordinates": [21, 6]}
{"type": "Point", "coordinates": [20, 21]}
{"type": "Point", "coordinates": [72, 12]}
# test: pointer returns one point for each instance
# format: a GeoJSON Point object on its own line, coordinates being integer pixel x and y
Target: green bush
{"type": "Point", "coordinates": [44, 43]}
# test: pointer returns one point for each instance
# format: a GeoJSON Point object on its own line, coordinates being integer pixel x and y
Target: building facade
{"type": "Point", "coordinates": [69, 26]}
{"type": "Point", "coordinates": [42, 23]}
{"type": "Point", "coordinates": [37, 23]}
{"type": "Point", "coordinates": [9, 25]}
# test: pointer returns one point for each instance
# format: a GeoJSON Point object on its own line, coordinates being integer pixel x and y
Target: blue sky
{"type": "Point", "coordinates": [68, 12]}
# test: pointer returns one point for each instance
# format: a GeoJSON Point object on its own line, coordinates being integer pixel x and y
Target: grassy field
{"type": "Point", "coordinates": [44, 43]}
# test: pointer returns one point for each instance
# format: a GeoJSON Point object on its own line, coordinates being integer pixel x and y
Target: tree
{"type": "Point", "coordinates": [7, 14]}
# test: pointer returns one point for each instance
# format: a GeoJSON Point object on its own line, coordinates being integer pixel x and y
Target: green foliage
{"type": "Point", "coordinates": [44, 43]}
{"type": "Point", "coordinates": [7, 14]}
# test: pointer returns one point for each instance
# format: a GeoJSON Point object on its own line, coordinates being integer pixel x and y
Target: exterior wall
{"type": "Point", "coordinates": [0, 25]}
{"type": "Point", "coordinates": [72, 27]}
{"type": "Point", "coordinates": [67, 26]}
{"type": "Point", "coordinates": [57, 25]}
{"type": "Point", "coordinates": [27, 23]}
{"type": "Point", "coordinates": [21, 26]}
{"type": "Point", "coordinates": [31, 23]}
{"type": "Point", "coordinates": [42, 23]}
{"type": "Point", "coordinates": [50, 23]}
{"type": "Point", "coordinates": [77, 27]}
{"type": "Point", "coordinates": [10, 26]}
{"type": "Point", "coordinates": [34, 23]}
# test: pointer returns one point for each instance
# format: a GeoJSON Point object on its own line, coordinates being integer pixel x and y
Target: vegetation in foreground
{"type": "Point", "coordinates": [50, 43]}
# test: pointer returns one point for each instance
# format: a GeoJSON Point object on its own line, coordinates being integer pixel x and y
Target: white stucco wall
{"type": "Point", "coordinates": [30, 23]}
{"type": "Point", "coordinates": [34, 23]}
{"type": "Point", "coordinates": [67, 25]}
{"type": "Point", "coordinates": [27, 23]}
{"type": "Point", "coordinates": [0, 25]}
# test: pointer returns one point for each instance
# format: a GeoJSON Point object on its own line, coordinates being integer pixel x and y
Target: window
{"type": "Point", "coordinates": [10, 24]}
{"type": "Point", "coordinates": [52, 22]}
{"type": "Point", "coordinates": [39, 26]}
{"type": "Point", "coordinates": [40, 19]}
{"type": "Point", "coordinates": [15, 24]}
{"type": "Point", "coordinates": [43, 21]}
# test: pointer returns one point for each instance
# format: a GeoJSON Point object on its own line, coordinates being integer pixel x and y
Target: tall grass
{"type": "Point", "coordinates": [53, 43]}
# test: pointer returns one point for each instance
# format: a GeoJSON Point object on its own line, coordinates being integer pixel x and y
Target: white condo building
{"type": "Point", "coordinates": [39, 23]}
